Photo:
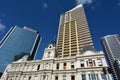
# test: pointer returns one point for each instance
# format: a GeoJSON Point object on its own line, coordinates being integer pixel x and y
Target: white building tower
{"type": "Point", "coordinates": [50, 51]}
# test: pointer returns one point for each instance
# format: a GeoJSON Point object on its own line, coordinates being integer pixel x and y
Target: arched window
{"type": "Point", "coordinates": [65, 66]}
{"type": "Point", "coordinates": [38, 67]}
{"type": "Point", "coordinates": [72, 65]}
{"type": "Point", "coordinates": [57, 66]}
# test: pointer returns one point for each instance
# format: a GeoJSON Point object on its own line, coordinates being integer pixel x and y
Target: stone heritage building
{"type": "Point", "coordinates": [88, 66]}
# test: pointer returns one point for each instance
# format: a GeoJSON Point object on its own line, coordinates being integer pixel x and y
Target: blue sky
{"type": "Point", "coordinates": [103, 17]}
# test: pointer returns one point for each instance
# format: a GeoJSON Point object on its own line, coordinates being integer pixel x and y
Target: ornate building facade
{"type": "Point", "coordinates": [88, 66]}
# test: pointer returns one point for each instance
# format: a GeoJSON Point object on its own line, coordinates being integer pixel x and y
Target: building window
{"type": "Point", "coordinates": [57, 66]}
{"type": "Point", "coordinates": [72, 77]}
{"type": "Point", "coordinates": [24, 77]}
{"type": "Point", "coordinates": [17, 68]}
{"type": "Point", "coordinates": [56, 77]}
{"type": "Point", "coordinates": [50, 46]}
{"type": "Point", "coordinates": [38, 67]}
{"type": "Point", "coordinates": [20, 68]}
{"type": "Point", "coordinates": [64, 77]}
{"type": "Point", "coordinates": [83, 76]}
{"type": "Point", "coordinates": [65, 66]}
{"type": "Point", "coordinates": [12, 68]}
{"type": "Point", "coordinates": [44, 77]}
{"type": "Point", "coordinates": [90, 63]}
{"type": "Point", "coordinates": [33, 68]}
{"type": "Point", "coordinates": [28, 68]}
{"type": "Point", "coordinates": [16, 78]}
{"type": "Point", "coordinates": [46, 66]}
{"type": "Point", "coordinates": [94, 62]}
{"type": "Point", "coordinates": [12, 78]}
{"type": "Point", "coordinates": [7, 78]}
{"type": "Point", "coordinates": [87, 63]}
{"type": "Point", "coordinates": [72, 65]}
{"type": "Point", "coordinates": [93, 77]}
{"type": "Point", "coordinates": [103, 77]}
{"type": "Point", "coordinates": [29, 78]}
{"type": "Point", "coordinates": [35, 78]}
{"type": "Point", "coordinates": [81, 63]}
{"type": "Point", "coordinates": [48, 54]}
{"type": "Point", "coordinates": [99, 62]}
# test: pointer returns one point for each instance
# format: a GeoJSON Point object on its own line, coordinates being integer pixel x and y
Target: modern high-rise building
{"type": "Point", "coordinates": [16, 41]}
{"type": "Point", "coordinates": [111, 44]}
{"type": "Point", "coordinates": [73, 33]}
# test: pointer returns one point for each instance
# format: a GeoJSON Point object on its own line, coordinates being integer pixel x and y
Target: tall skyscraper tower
{"type": "Point", "coordinates": [73, 32]}
{"type": "Point", "coordinates": [111, 44]}
{"type": "Point", "coordinates": [16, 41]}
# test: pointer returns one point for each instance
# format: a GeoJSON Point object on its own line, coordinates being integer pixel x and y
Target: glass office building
{"type": "Point", "coordinates": [16, 41]}
{"type": "Point", "coordinates": [111, 45]}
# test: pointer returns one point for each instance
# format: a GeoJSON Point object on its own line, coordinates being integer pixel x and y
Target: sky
{"type": "Point", "coordinates": [103, 17]}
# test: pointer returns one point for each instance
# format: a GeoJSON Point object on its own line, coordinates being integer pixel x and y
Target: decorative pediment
{"type": "Point", "coordinates": [89, 53]}
{"type": "Point", "coordinates": [88, 50]}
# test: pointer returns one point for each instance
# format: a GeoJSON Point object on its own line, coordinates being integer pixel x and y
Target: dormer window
{"type": "Point", "coordinates": [48, 54]}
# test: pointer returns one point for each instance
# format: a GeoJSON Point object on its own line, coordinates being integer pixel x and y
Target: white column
{"type": "Point", "coordinates": [77, 64]}
{"type": "Point", "coordinates": [54, 66]}
{"type": "Point", "coordinates": [61, 66]}
{"type": "Point", "coordinates": [60, 77]}
{"type": "Point", "coordinates": [85, 62]}
{"type": "Point", "coordinates": [104, 62]}
{"type": "Point", "coordinates": [87, 76]}
{"type": "Point", "coordinates": [96, 61]}
{"type": "Point", "coordinates": [68, 65]}
{"type": "Point", "coordinates": [99, 76]}
{"type": "Point", "coordinates": [78, 76]}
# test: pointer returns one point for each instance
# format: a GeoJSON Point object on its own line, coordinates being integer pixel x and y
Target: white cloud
{"type": "Point", "coordinates": [2, 27]}
{"type": "Point", "coordinates": [83, 2]}
{"type": "Point", "coordinates": [45, 5]}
